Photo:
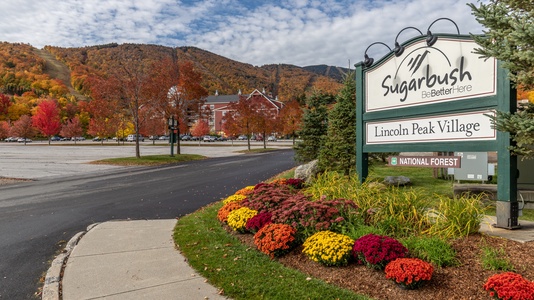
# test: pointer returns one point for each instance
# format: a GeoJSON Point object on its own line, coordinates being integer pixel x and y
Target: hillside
{"type": "Point", "coordinates": [220, 74]}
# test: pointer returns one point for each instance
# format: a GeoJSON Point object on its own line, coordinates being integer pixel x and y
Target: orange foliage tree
{"type": "Point", "coordinates": [46, 118]}
{"type": "Point", "coordinates": [23, 128]}
{"type": "Point", "coordinates": [72, 128]}
{"type": "Point", "coordinates": [290, 118]}
{"type": "Point", "coordinates": [4, 129]}
{"type": "Point", "coordinates": [200, 128]}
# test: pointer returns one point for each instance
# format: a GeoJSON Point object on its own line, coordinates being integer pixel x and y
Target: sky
{"type": "Point", "coordinates": [296, 32]}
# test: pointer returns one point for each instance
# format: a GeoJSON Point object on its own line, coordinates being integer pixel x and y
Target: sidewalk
{"type": "Point", "coordinates": [126, 260]}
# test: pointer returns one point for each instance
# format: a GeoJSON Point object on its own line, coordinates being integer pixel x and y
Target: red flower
{"type": "Point", "coordinates": [409, 272]}
{"type": "Point", "coordinates": [377, 251]}
{"type": "Point", "coordinates": [510, 286]}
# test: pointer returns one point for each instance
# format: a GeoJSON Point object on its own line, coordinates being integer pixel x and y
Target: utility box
{"type": "Point", "coordinates": [474, 166]}
{"type": "Point", "coordinates": [526, 173]}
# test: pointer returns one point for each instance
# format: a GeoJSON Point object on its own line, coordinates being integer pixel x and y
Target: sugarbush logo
{"type": "Point", "coordinates": [449, 82]}
{"type": "Point", "coordinates": [449, 70]}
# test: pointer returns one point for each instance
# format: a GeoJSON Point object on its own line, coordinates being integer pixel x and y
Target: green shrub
{"type": "Point", "coordinates": [495, 259]}
{"type": "Point", "coordinates": [432, 249]}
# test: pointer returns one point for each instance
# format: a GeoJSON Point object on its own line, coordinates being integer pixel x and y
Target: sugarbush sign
{"type": "Point", "coordinates": [436, 97]}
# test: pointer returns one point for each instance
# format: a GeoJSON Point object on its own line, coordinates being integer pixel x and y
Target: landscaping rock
{"type": "Point", "coordinates": [397, 181]}
{"type": "Point", "coordinates": [307, 171]}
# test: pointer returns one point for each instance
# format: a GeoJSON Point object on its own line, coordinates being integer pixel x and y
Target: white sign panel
{"type": "Point", "coordinates": [469, 126]}
{"type": "Point", "coordinates": [449, 70]}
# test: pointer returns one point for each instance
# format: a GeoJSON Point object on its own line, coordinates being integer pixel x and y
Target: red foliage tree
{"type": "Point", "coordinates": [72, 128]}
{"type": "Point", "coordinates": [4, 129]}
{"type": "Point", "coordinates": [241, 118]}
{"type": "Point", "coordinates": [23, 128]}
{"type": "Point", "coordinates": [5, 103]}
{"type": "Point", "coordinates": [290, 118]}
{"type": "Point", "coordinates": [46, 118]}
{"type": "Point", "coordinates": [200, 128]}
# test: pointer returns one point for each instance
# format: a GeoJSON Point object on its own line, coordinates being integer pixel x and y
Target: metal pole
{"type": "Point", "coordinates": [171, 134]}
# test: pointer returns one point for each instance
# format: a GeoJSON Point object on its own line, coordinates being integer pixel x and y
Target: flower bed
{"type": "Point", "coordinates": [410, 273]}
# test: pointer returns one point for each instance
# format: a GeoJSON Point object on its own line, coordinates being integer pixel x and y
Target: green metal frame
{"type": "Point", "coordinates": [504, 100]}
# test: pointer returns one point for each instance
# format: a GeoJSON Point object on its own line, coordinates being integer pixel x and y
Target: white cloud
{"type": "Point", "coordinates": [300, 32]}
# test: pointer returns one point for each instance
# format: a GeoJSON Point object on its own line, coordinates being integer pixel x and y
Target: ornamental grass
{"type": "Point", "coordinates": [237, 218]}
{"type": "Point", "coordinates": [329, 248]}
{"type": "Point", "coordinates": [223, 212]}
{"type": "Point", "coordinates": [410, 273]}
{"type": "Point", "coordinates": [377, 251]}
{"type": "Point", "coordinates": [258, 221]}
{"type": "Point", "coordinates": [509, 286]}
{"type": "Point", "coordinates": [234, 198]}
{"type": "Point", "coordinates": [275, 239]}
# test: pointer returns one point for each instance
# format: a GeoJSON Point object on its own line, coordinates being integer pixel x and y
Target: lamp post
{"type": "Point", "coordinates": [173, 124]}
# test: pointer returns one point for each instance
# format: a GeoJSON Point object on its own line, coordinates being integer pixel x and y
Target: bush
{"type": "Point", "coordinates": [329, 248]}
{"type": "Point", "coordinates": [267, 197]}
{"type": "Point", "coordinates": [377, 251]}
{"type": "Point", "coordinates": [493, 259]}
{"type": "Point", "coordinates": [223, 212]}
{"type": "Point", "coordinates": [409, 272]}
{"type": "Point", "coordinates": [510, 286]}
{"type": "Point", "coordinates": [275, 239]}
{"type": "Point", "coordinates": [237, 218]}
{"type": "Point", "coordinates": [258, 221]}
{"type": "Point", "coordinates": [432, 249]}
{"type": "Point", "coordinates": [312, 216]}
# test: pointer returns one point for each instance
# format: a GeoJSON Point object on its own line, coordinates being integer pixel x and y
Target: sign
{"type": "Point", "coordinates": [449, 70]}
{"type": "Point", "coordinates": [468, 126]}
{"type": "Point", "coordinates": [425, 161]}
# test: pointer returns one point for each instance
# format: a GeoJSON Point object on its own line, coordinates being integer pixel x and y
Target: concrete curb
{"type": "Point", "coordinates": [52, 282]}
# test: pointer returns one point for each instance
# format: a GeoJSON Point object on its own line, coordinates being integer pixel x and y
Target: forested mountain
{"type": "Point", "coordinates": [220, 74]}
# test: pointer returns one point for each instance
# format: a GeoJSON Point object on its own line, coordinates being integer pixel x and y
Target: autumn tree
{"type": "Point", "coordinates": [103, 109]}
{"type": "Point", "coordinates": [154, 124]}
{"type": "Point", "coordinates": [290, 119]}
{"type": "Point", "coordinates": [5, 103]}
{"type": "Point", "coordinates": [510, 38]}
{"type": "Point", "coordinates": [242, 117]}
{"type": "Point", "coordinates": [200, 128]}
{"type": "Point", "coordinates": [177, 91]}
{"type": "Point", "coordinates": [46, 118]}
{"type": "Point", "coordinates": [72, 128]}
{"type": "Point", "coordinates": [264, 121]}
{"type": "Point", "coordinates": [23, 128]}
{"type": "Point", "coordinates": [4, 129]}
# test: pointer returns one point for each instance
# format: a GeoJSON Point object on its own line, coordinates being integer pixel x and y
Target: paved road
{"type": "Point", "coordinates": [37, 217]}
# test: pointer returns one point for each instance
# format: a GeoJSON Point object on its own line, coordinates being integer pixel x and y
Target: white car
{"type": "Point", "coordinates": [131, 138]}
{"type": "Point", "coordinates": [271, 139]}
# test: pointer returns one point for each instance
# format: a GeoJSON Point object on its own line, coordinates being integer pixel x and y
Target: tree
{"type": "Point", "coordinates": [200, 128]}
{"type": "Point", "coordinates": [242, 117]}
{"type": "Point", "coordinates": [46, 118]}
{"type": "Point", "coordinates": [72, 128]}
{"type": "Point", "coordinates": [339, 149]}
{"type": "Point", "coordinates": [5, 103]}
{"type": "Point", "coordinates": [314, 127]}
{"type": "Point", "coordinates": [176, 90]}
{"type": "Point", "coordinates": [4, 129]}
{"type": "Point", "coordinates": [510, 38]}
{"type": "Point", "coordinates": [104, 119]}
{"type": "Point", "coordinates": [290, 119]}
{"type": "Point", "coordinates": [23, 128]}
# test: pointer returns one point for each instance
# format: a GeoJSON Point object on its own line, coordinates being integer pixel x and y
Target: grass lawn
{"type": "Point", "coordinates": [149, 160]}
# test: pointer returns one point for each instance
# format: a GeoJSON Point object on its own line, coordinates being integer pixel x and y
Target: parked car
{"type": "Point", "coordinates": [272, 138]}
{"type": "Point", "coordinates": [163, 138]}
{"type": "Point", "coordinates": [186, 137]}
{"type": "Point", "coordinates": [99, 139]}
{"type": "Point", "coordinates": [208, 138]}
{"type": "Point", "coordinates": [11, 139]}
{"type": "Point", "coordinates": [242, 138]}
{"type": "Point", "coordinates": [131, 138]}
{"type": "Point", "coordinates": [77, 138]}
{"type": "Point", "coordinates": [24, 140]}
{"type": "Point", "coordinates": [55, 138]}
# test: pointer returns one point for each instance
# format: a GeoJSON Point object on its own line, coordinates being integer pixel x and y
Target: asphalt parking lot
{"type": "Point", "coordinates": [39, 160]}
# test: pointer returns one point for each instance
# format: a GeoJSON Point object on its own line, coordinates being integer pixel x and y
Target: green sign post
{"type": "Point", "coordinates": [433, 93]}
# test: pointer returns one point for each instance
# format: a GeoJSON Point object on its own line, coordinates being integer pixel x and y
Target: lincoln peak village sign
{"type": "Point", "coordinates": [433, 93]}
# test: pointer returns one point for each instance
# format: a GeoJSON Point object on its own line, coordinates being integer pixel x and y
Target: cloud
{"type": "Point", "coordinates": [299, 32]}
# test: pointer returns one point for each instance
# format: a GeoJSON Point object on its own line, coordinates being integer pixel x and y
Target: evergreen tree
{"type": "Point", "coordinates": [339, 150]}
{"type": "Point", "coordinates": [314, 127]}
{"type": "Point", "coordinates": [510, 38]}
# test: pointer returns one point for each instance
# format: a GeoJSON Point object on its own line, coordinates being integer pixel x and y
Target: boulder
{"type": "Point", "coordinates": [307, 171]}
{"type": "Point", "coordinates": [397, 181]}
